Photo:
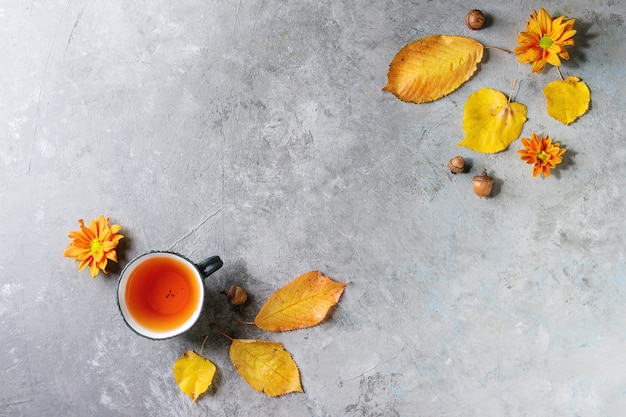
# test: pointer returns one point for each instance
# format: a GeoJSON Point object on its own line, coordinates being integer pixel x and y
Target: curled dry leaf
{"type": "Point", "coordinates": [193, 374]}
{"type": "Point", "coordinates": [432, 67]}
{"type": "Point", "coordinates": [265, 366]}
{"type": "Point", "coordinates": [567, 99]}
{"type": "Point", "coordinates": [491, 122]}
{"type": "Point", "coordinates": [302, 303]}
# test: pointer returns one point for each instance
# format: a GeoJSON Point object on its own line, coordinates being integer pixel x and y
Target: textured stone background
{"type": "Point", "coordinates": [258, 131]}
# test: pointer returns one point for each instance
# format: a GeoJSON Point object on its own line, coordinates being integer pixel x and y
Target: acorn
{"type": "Point", "coordinates": [456, 165]}
{"type": "Point", "coordinates": [235, 295]}
{"type": "Point", "coordinates": [475, 19]}
{"type": "Point", "coordinates": [483, 184]}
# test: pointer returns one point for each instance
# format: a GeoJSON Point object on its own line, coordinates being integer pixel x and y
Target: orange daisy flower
{"type": "Point", "coordinates": [541, 152]}
{"type": "Point", "coordinates": [94, 245]}
{"type": "Point", "coordinates": [544, 40]}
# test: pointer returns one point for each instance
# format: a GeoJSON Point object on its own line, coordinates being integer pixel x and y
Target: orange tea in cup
{"type": "Point", "coordinates": [160, 294]}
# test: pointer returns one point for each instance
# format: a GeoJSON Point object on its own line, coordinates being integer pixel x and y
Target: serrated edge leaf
{"type": "Point", "coordinates": [435, 66]}
{"type": "Point", "coordinates": [293, 310]}
{"type": "Point", "coordinates": [275, 366]}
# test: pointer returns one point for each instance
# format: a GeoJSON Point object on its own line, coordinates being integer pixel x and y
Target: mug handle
{"type": "Point", "coordinates": [210, 265]}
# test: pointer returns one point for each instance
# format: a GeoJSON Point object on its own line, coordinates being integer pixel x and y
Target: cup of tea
{"type": "Point", "coordinates": [160, 294]}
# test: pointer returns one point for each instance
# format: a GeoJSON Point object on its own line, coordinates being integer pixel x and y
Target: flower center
{"type": "Point", "coordinates": [545, 42]}
{"type": "Point", "coordinates": [542, 156]}
{"type": "Point", "coordinates": [95, 245]}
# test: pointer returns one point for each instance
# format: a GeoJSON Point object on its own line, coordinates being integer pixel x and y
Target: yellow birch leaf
{"type": "Point", "coordinates": [193, 374]}
{"type": "Point", "coordinates": [304, 302]}
{"type": "Point", "coordinates": [265, 366]}
{"type": "Point", "coordinates": [491, 122]}
{"type": "Point", "coordinates": [432, 67]}
{"type": "Point", "coordinates": [567, 99]}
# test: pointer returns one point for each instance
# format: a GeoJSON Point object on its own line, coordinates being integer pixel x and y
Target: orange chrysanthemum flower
{"type": "Point", "coordinates": [544, 40]}
{"type": "Point", "coordinates": [541, 152]}
{"type": "Point", "coordinates": [94, 245]}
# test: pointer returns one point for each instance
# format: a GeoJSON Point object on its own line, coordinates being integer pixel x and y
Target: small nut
{"type": "Point", "coordinates": [235, 295]}
{"type": "Point", "coordinates": [483, 184]}
{"type": "Point", "coordinates": [456, 164]}
{"type": "Point", "coordinates": [475, 19]}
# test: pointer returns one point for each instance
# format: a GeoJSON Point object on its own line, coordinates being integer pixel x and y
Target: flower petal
{"type": "Point", "coordinates": [84, 263]}
{"type": "Point", "coordinates": [553, 59]}
{"type": "Point", "coordinates": [538, 65]}
{"type": "Point", "coordinates": [112, 255]}
{"type": "Point", "coordinates": [93, 269]}
{"type": "Point", "coordinates": [75, 251]}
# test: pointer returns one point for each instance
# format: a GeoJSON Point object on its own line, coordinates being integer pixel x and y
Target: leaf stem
{"type": "Point", "coordinates": [499, 49]}
{"type": "Point", "coordinates": [512, 89]}
{"type": "Point", "coordinates": [219, 331]}
{"type": "Point", "coordinates": [203, 342]}
{"type": "Point", "coordinates": [249, 323]}
{"type": "Point", "coordinates": [559, 71]}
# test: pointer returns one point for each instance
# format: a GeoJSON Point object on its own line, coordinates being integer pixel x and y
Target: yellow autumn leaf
{"type": "Point", "coordinates": [304, 302]}
{"type": "Point", "coordinates": [193, 374]}
{"type": "Point", "coordinates": [491, 121]}
{"type": "Point", "coordinates": [265, 366]}
{"type": "Point", "coordinates": [432, 67]}
{"type": "Point", "coordinates": [567, 99]}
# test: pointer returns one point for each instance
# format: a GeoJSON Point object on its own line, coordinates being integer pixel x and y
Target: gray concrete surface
{"type": "Point", "coordinates": [258, 131]}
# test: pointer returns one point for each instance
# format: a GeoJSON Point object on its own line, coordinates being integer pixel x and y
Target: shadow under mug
{"type": "Point", "coordinates": [160, 294]}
